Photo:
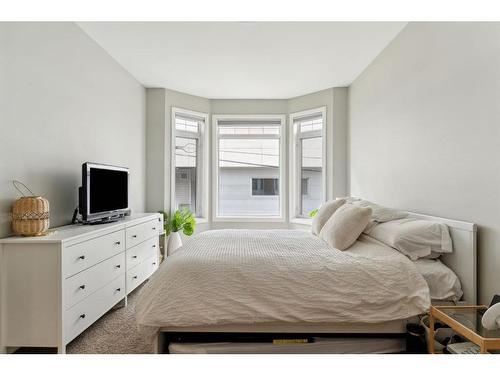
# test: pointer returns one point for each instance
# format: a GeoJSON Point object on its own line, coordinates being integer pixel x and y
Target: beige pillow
{"type": "Point", "coordinates": [345, 226]}
{"type": "Point", "coordinates": [324, 213]}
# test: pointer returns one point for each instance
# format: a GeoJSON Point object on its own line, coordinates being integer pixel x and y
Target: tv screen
{"type": "Point", "coordinates": [108, 190]}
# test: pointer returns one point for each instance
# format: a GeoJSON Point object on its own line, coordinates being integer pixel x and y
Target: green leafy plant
{"type": "Point", "coordinates": [180, 220]}
{"type": "Point", "coordinates": [313, 212]}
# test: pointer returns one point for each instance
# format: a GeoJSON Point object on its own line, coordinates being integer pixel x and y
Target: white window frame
{"type": "Point", "coordinates": [215, 167]}
{"type": "Point", "coordinates": [202, 161]}
{"type": "Point", "coordinates": [295, 163]}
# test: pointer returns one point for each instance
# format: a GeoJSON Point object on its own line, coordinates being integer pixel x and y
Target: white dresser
{"type": "Point", "coordinates": [54, 287]}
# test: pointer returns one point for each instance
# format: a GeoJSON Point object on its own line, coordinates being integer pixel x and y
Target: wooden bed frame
{"type": "Point", "coordinates": [463, 261]}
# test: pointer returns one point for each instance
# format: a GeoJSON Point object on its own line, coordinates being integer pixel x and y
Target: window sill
{"type": "Point", "coordinates": [301, 220]}
{"type": "Point", "coordinates": [246, 219]}
{"type": "Point", "coordinates": [201, 220]}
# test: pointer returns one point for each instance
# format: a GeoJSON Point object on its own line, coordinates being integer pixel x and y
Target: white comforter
{"type": "Point", "coordinates": [250, 276]}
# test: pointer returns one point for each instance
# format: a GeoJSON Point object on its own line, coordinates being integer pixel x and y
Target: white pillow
{"type": "Point", "coordinates": [345, 225]}
{"type": "Point", "coordinates": [324, 213]}
{"type": "Point", "coordinates": [443, 282]}
{"type": "Point", "coordinates": [382, 214]}
{"type": "Point", "coordinates": [416, 238]}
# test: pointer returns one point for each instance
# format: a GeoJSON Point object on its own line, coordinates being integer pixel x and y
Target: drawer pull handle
{"type": "Point", "coordinates": [134, 256]}
{"type": "Point", "coordinates": [154, 228]}
{"type": "Point", "coordinates": [118, 289]}
{"type": "Point", "coordinates": [82, 286]}
{"type": "Point", "coordinates": [82, 316]}
{"type": "Point", "coordinates": [117, 242]}
{"type": "Point", "coordinates": [134, 236]}
{"type": "Point", "coordinates": [82, 257]}
{"type": "Point", "coordinates": [118, 266]}
{"type": "Point", "coordinates": [154, 263]}
{"type": "Point", "coordinates": [134, 277]}
{"type": "Point", "coordinates": [154, 246]}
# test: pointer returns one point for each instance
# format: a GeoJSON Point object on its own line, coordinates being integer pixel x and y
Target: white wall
{"type": "Point", "coordinates": [425, 130]}
{"type": "Point", "coordinates": [64, 101]}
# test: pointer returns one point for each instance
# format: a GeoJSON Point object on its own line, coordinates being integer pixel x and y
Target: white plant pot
{"type": "Point", "coordinates": [174, 242]}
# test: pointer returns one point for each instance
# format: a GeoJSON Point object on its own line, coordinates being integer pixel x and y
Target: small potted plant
{"type": "Point", "coordinates": [180, 220]}
{"type": "Point", "coordinates": [313, 212]}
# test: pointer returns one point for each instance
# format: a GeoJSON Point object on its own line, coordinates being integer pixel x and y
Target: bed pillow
{"type": "Point", "coordinates": [345, 226]}
{"type": "Point", "coordinates": [416, 238]}
{"type": "Point", "coordinates": [382, 214]}
{"type": "Point", "coordinates": [443, 282]}
{"type": "Point", "coordinates": [350, 199]}
{"type": "Point", "coordinates": [433, 255]}
{"type": "Point", "coordinates": [324, 213]}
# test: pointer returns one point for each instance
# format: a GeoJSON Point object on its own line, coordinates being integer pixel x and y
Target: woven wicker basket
{"type": "Point", "coordinates": [30, 216]}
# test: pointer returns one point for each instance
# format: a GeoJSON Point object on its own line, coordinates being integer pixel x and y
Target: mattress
{"type": "Point", "coordinates": [225, 277]}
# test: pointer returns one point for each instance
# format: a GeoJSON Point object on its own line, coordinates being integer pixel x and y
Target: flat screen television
{"type": "Point", "coordinates": [104, 192]}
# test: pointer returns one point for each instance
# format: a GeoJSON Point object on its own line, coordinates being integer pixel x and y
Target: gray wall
{"type": "Point", "coordinates": [64, 101]}
{"type": "Point", "coordinates": [156, 117]}
{"type": "Point", "coordinates": [249, 106]}
{"type": "Point", "coordinates": [425, 130]}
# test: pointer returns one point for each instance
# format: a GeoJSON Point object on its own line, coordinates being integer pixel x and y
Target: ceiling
{"type": "Point", "coordinates": [229, 60]}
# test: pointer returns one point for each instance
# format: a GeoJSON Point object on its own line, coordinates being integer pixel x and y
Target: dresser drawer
{"type": "Point", "coordinates": [79, 286]}
{"type": "Point", "coordinates": [139, 273]}
{"type": "Point", "coordinates": [83, 314]}
{"type": "Point", "coordinates": [141, 232]}
{"type": "Point", "coordinates": [141, 252]}
{"type": "Point", "coordinates": [83, 255]}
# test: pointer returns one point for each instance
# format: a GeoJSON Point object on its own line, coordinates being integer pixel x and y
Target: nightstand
{"type": "Point", "coordinates": [465, 321]}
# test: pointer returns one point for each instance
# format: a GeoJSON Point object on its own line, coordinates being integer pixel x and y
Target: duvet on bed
{"type": "Point", "coordinates": [256, 276]}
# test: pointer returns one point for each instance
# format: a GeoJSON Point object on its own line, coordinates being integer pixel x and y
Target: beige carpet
{"type": "Point", "coordinates": [114, 333]}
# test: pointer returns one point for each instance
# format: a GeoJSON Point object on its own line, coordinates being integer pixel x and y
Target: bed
{"type": "Point", "coordinates": [228, 284]}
